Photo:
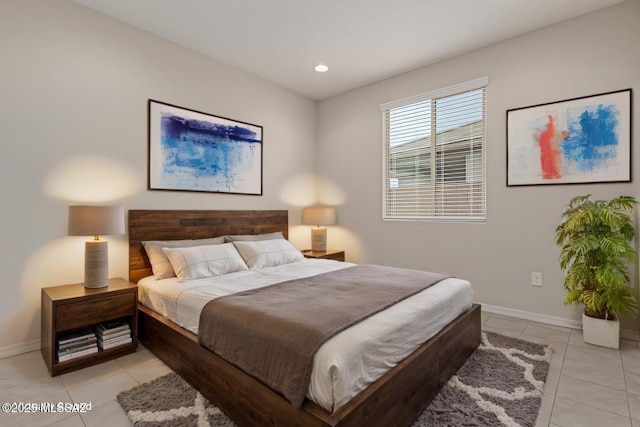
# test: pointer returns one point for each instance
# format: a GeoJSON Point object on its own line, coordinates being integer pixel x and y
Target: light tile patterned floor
{"type": "Point", "coordinates": [587, 385]}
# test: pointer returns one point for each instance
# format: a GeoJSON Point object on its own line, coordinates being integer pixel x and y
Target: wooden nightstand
{"type": "Point", "coordinates": [69, 308]}
{"type": "Point", "coordinates": [328, 254]}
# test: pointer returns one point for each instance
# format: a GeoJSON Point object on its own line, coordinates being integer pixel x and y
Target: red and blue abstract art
{"type": "Point", "coordinates": [579, 140]}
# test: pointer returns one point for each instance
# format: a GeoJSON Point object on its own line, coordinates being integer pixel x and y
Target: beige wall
{"type": "Point", "coordinates": [588, 55]}
{"type": "Point", "coordinates": [74, 86]}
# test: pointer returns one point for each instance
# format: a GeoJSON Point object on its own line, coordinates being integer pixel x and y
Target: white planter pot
{"type": "Point", "coordinates": [605, 333]}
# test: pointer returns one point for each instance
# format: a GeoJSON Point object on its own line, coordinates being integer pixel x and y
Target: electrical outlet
{"type": "Point", "coordinates": [536, 279]}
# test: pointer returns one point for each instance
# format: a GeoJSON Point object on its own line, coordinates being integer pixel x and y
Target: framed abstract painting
{"type": "Point", "coordinates": [194, 151]}
{"type": "Point", "coordinates": [579, 140]}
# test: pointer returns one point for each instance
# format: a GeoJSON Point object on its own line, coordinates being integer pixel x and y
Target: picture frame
{"type": "Point", "coordinates": [191, 150]}
{"type": "Point", "coordinates": [573, 141]}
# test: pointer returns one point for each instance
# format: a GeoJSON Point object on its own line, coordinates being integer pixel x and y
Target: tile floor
{"type": "Point", "coordinates": [586, 386]}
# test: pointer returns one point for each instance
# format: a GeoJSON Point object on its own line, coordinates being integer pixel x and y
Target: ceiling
{"type": "Point", "coordinates": [361, 41]}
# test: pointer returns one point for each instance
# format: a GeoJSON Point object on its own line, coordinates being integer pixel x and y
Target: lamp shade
{"type": "Point", "coordinates": [96, 220]}
{"type": "Point", "coordinates": [318, 216]}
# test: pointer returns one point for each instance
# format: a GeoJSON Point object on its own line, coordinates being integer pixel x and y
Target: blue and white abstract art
{"type": "Point", "coordinates": [194, 151]}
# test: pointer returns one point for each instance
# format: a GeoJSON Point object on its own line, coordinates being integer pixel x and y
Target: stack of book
{"type": "Point", "coordinates": [76, 344]}
{"type": "Point", "coordinates": [113, 333]}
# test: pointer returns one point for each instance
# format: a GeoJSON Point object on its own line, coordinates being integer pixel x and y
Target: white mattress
{"type": "Point", "coordinates": [352, 359]}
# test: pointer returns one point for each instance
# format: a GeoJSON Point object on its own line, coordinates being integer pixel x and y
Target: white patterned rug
{"type": "Point", "coordinates": [500, 385]}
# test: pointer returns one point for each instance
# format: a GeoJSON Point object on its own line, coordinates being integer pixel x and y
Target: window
{"type": "Point", "coordinates": [443, 180]}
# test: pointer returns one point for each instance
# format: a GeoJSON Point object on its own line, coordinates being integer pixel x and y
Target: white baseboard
{"type": "Point", "coordinates": [25, 347]}
{"type": "Point", "coordinates": [626, 334]}
{"type": "Point", "coordinates": [533, 317]}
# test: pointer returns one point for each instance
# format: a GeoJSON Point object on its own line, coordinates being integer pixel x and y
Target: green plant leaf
{"type": "Point", "coordinates": [595, 238]}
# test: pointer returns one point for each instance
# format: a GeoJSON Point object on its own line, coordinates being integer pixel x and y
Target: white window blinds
{"type": "Point", "coordinates": [434, 155]}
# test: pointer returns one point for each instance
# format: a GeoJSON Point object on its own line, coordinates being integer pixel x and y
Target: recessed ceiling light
{"type": "Point", "coordinates": [321, 68]}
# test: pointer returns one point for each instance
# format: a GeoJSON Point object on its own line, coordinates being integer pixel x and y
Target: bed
{"type": "Point", "coordinates": [396, 398]}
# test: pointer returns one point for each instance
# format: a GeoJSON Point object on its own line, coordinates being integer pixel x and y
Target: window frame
{"type": "Point", "coordinates": [475, 180]}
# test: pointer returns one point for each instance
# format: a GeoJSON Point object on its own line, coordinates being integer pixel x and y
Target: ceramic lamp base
{"type": "Point", "coordinates": [318, 239]}
{"type": "Point", "coordinates": [96, 264]}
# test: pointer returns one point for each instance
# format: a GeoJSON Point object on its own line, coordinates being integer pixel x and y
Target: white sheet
{"type": "Point", "coordinates": [352, 359]}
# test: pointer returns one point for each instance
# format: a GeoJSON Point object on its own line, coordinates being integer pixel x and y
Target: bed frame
{"type": "Point", "coordinates": [396, 399]}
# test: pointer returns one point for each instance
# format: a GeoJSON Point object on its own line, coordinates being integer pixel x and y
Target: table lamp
{"type": "Point", "coordinates": [96, 221]}
{"type": "Point", "coordinates": [318, 217]}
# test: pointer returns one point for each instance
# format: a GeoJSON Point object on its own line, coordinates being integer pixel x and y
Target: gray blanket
{"type": "Point", "coordinates": [273, 333]}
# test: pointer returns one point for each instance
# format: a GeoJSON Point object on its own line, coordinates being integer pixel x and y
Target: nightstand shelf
{"type": "Point", "coordinates": [68, 308]}
{"type": "Point", "coordinates": [328, 254]}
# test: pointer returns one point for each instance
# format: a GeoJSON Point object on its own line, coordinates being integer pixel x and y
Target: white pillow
{"type": "Point", "coordinates": [253, 237]}
{"type": "Point", "coordinates": [197, 262]}
{"type": "Point", "coordinates": [160, 264]}
{"type": "Point", "coordinates": [268, 253]}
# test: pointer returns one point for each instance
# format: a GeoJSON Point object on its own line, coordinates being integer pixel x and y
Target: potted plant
{"type": "Point", "coordinates": [595, 237]}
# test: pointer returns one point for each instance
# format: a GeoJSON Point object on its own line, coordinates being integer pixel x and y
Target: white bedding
{"type": "Point", "coordinates": [352, 359]}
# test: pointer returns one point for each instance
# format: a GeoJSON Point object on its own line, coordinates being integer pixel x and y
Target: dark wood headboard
{"type": "Point", "coordinates": [194, 224]}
